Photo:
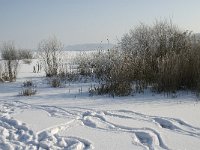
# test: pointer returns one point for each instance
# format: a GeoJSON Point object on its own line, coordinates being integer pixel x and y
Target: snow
{"type": "Point", "coordinates": [55, 118]}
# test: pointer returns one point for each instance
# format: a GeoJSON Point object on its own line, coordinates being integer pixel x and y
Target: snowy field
{"type": "Point", "coordinates": [64, 118]}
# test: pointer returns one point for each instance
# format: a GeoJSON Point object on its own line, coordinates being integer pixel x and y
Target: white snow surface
{"type": "Point", "coordinates": [64, 118]}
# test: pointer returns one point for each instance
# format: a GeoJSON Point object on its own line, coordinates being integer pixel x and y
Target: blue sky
{"type": "Point", "coordinates": [88, 21]}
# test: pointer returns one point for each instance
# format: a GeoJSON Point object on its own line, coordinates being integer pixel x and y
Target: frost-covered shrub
{"type": "Point", "coordinates": [84, 62]}
{"type": "Point", "coordinates": [163, 57]}
{"type": "Point", "coordinates": [28, 92]}
{"type": "Point", "coordinates": [159, 56]}
{"type": "Point", "coordinates": [11, 60]}
{"type": "Point", "coordinates": [110, 70]}
{"type": "Point", "coordinates": [28, 88]}
{"type": "Point", "coordinates": [51, 55]}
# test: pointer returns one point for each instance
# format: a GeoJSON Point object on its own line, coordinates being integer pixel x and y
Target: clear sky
{"type": "Point", "coordinates": [88, 21]}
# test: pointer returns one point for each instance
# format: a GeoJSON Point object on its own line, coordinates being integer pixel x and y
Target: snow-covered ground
{"type": "Point", "coordinates": [64, 118]}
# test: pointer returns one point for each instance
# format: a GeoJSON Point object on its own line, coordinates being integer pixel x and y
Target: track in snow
{"type": "Point", "coordinates": [16, 134]}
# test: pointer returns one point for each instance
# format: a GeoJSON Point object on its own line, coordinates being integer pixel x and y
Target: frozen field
{"type": "Point", "coordinates": [64, 118]}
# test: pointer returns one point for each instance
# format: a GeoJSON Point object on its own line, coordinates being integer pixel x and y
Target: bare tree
{"type": "Point", "coordinates": [51, 54]}
{"type": "Point", "coordinates": [10, 56]}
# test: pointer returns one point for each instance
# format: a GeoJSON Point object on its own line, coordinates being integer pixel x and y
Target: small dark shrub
{"type": "Point", "coordinates": [27, 61]}
{"type": "Point", "coordinates": [28, 92]}
{"type": "Point", "coordinates": [122, 89]}
{"type": "Point", "coordinates": [113, 89]}
{"type": "Point", "coordinates": [28, 84]}
{"type": "Point", "coordinates": [55, 82]}
{"type": "Point", "coordinates": [28, 88]}
{"type": "Point", "coordinates": [5, 77]}
{"type": "Point", "coordinates": [72, 76]}
{"type": "Point", "coordinates": [92, 92]}
{"type": "Point", "coordinates": [1, 80]}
